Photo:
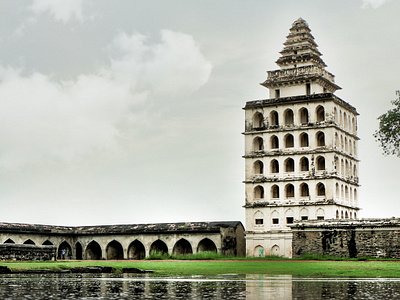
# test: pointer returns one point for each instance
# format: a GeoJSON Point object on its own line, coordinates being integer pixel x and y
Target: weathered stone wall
{"type": "Point", "coordinates": [27, 252]}
{"type": "Point", "coordinates": [358, 238]}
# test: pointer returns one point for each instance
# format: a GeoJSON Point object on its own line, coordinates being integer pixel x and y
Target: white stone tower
{"type": "Point", "coordinates": [300, 149]}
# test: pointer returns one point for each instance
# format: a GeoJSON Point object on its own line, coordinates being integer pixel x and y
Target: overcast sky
{"type": "Point", "coordinates": [118, 112]}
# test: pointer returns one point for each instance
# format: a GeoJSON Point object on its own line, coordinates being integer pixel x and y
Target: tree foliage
{"type": "Point", "coordinates": [388, 134]}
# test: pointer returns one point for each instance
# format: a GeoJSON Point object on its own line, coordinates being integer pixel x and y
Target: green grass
{"type": "Point", "coordinates": [215, 267]}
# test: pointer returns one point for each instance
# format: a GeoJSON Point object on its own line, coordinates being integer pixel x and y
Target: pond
{"type": "Point", "coordinates": [228, 286]}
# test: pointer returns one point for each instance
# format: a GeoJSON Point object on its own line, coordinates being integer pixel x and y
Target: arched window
{"type": "Point", "coordinates": [344, 120]}
{"type": "Point", "coordinates": [289, 165]}
{"type": "Point", "coordinates": [258, 218]}
{"type": "Point", "coordinates": [275, 192]}
{"type": "Point", "coordinates": [320, 139]}
{"type": "Point", "coordinates": [258, 144]}
{"type": "Point", "coordinates": [289, 141]}
{"type": "Point", "coordinates": [346, 193]}
{"type": "Point", "coordinates": [304, 191]}
{"type": "Point", "coordinates": [303, 116]}
{"type": "Point", "coordinates": [274, 142]}
{"type": "Point", "coordinates": [288, 115]}
{"type": "Point", "coordinates": [337, 143]}
{"type": "Point", "coordinates": [341, 143]}
{"type": "Point", "coordinates": [337, 192]}
{"type": "Point", "coordinates": [346, 215]}
{"type": "Point", "coordinates": [274, 166]}
{"type": "Point", "coordinates": [304, 140]}
{"type": "Point", "coordinates": [335, 115]}
{"type": "Point", "coordinates": [337, 165]}
{"type": "Point", "coordinates": [355, 198]}
{"type": "Point", "coordinates": [342, 167]}
{"type": "Point", "coordinates": [320, 189]}
{"type": "Point", "coordinates": [258, 192]}
{"type": "Point", "coordinates": [342, 214]}
{"type": "Point", "coordinates": [258, 167]}
{"type": "Point", "coordinates": [337, 214]}
{"type": "Point", "coordinates": [320, 163]}
{"type": "Point", "coordinates": [346, 145]}
{"type": "Point", "coordinates": [258, 120]}
{"type": "Point", "coordinates": [354, 148]}
{"type": "Point", "coordinates": [355, 171]}
{"type": "Point", "coordinates": [289, 191]}
{"type": "Point", "coordinates": [320, 214]}
{"type": "Point", "coordinates": [346, 170]}
{"type": "Point", "coordinates": [354, 129]}
{"type": "Point", "coordinates": [304, 164]}
{"type": "Point", "coordinates": [274, 119]}
{"type": "Point", "coordinates": [320, 114]}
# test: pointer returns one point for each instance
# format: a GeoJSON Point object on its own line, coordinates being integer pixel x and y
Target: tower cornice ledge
{"type": "Point", "coordinates": [300, 99]}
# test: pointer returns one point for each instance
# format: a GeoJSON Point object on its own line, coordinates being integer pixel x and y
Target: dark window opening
{"type": "Point", "coordinates": [275, 221]}
{"type": "Point", "coordinates": [308, 89]}
{"type": "Point", "coordinates": [289, 220]}
{"type": "Point", "coordinates": [320, 217]}
{"type": "Point", "coordinates": [259, 221]}
{"type": "Point", "coordinates": [304, 218]}
{"type": "Point", "coordinates": [277, 93]}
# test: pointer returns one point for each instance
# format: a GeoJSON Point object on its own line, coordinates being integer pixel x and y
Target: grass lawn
{"type": "Point", "coordinates": [215, 267]}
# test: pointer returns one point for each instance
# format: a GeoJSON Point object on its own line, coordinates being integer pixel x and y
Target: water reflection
{"type": "Point", "coordinates": [133, 286]}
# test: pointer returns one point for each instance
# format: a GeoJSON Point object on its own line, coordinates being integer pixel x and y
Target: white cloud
{"type": "Point", "coordinates": [60, 10]}
{"type": "Point", "coordinates": [42, 120]}
{"type": "Point", "coordinates": [373, 3]}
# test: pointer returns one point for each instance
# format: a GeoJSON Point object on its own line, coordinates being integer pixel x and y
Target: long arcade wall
{"type": "Point", "coordinates": [347, 238]}
{"type": "Point", "coordinates": [135, 241]}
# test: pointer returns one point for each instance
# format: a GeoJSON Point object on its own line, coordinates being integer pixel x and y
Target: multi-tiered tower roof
{"type": "Point", "coordinates": [300, 148]}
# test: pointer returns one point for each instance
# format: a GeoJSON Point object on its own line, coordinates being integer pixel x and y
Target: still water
{"type": "Point", "coordinates": [150, 286]}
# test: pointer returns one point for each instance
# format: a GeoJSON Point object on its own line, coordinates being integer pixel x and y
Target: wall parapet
{"type": "Point", "coordinates": [27, 252]}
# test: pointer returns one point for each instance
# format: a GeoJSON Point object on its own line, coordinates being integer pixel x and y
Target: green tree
{"type": "Point", "coordinates": [388, 134]}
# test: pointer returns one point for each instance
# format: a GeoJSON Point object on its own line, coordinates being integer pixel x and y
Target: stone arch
{"type": "Point", "coordinates": [29, 242]}
{"type": "Point", "coordinates": [346, 193]}
{"type": "Point", "coordinates": [78, 251]}
{"type": "Point", "coordinates": [355, 174]}
{"type": "Point", "coordinates": [93, 251]}
{"type": "Point", "coordinates": [320, 189]}
{"type": "Point", "coordinates": [304, 164]}
{"type": "Point", "coordinates": [274, 118]}
{"type": "Point", "coordinates": [159, 246]}
{"type": "Point", "coordinates": [303, 112]}
{"type": "Point", "coordinates": [337, 214]}
{"type": "Point", "coordinates": [258, 167]}
{"type": "Point", "coordinates": [64, 246]}
{"type": "Point", "coordinates": [341, 213]}
{"type": "Point", "coordinates": [304, 142]}
{"type": "Point", "coordinates": [275, 192]}
{"type": "Point", "coordinates": [289, 165]}
{"type": "Point", "coordinates": [320, 113]}
{"type": "Point", "coordinates": [346, 215]}
{"type": "Point", "coordinates": [47, 243]}
{"type": "Point", "coordinates": [288, 117]}
{"type": "Point", "coordinates": [345, 120]}
{"type": "Point", "coordinates": [335, 115]}
{"type": "Point", "coordinates": [289, 140]}
{"type": "Point", "coordinates": [259, 251]}
{"type": "Point", "coordinates": [320, 163]}
{"type": "Point", "coordinates": [355, 195]}
{"type": "Point", "coordinates": [304, 190]}
{"type": "Point", "coordinates": [9, 241]}
{"type": "Point", "coordinates": [274, 142]}
{"type": "Point", "coordinates": [320, 136]}
{"type": "Point", "coordinates": [346, 145]}
{"type": "Point", "coordinates": [258, 143]}
{"type": "Point", "coordinates": [258, 192]}
{"type": "Point", "coordinates": [114, 250]}
{"type": "Point", "coordinates": [289, 191]}
{"type": "Point", "coordinates": [275, 250]}
{"type": "Point", "coordinates": [136, 250]}
{"type": "Point", "coordinates": [274, 166]}
{"type": "Point", "coordinates": [182, 247]}
{"type": "Point", "coordinates": [206, 245]}
{"type": "Point", "coordinates": [258, 120]}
